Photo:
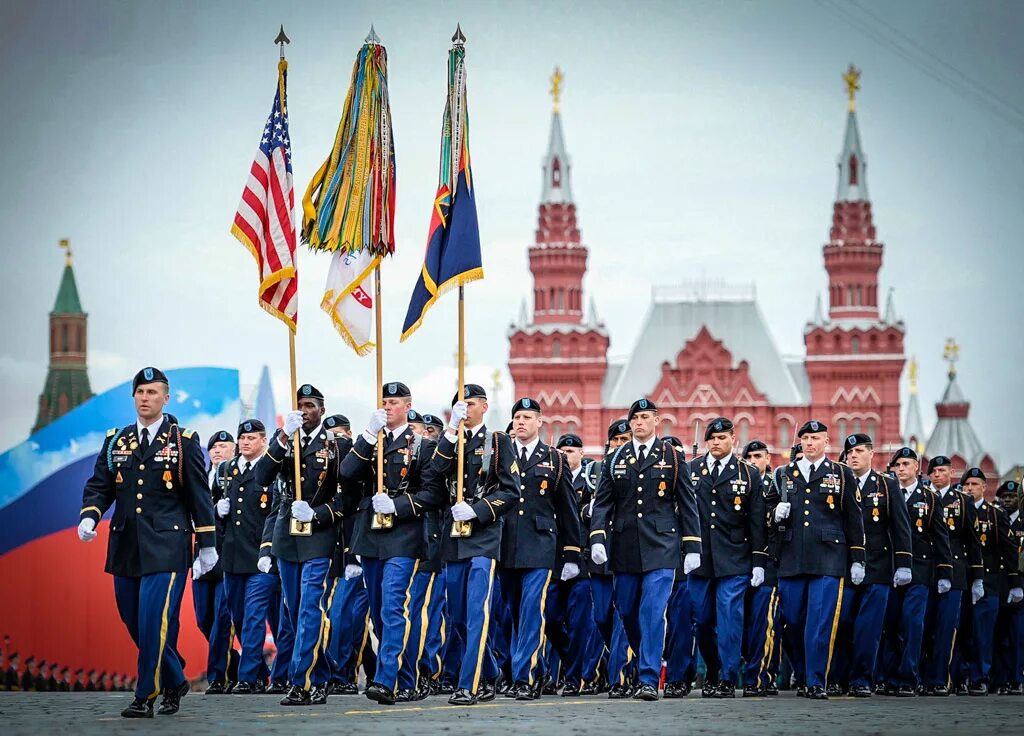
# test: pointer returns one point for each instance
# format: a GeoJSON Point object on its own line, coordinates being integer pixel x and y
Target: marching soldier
{"type": "Point", "coordinates": [390, 546]}
{"type": "Point", "coordinates": [680, 649]}
{"type": "Point", "coordinates": [889, 564]}
{"type": "Point", "coordinates": [932, 567]}
{"type": "Point", "coordinates": [999, 552]}
{"type": "Point", "coordinates": [543, 533]}
{"type": "Point", "coordinates": [303, 558]}
{"type": "Point", "coordinates": [433, 427]}
{"type": "Point", "coordinates": [1008, 661]}
{"type": "Point", "coordinates": [646, 498]}
{"type": "Point", "coordinates": [152, 473]}
{"type": "Point", "coordinates": [734, 553]}
{"type": "Point", "coordinates": [946, 609]}
{"type": "Point", "coordinates": [825, 533]}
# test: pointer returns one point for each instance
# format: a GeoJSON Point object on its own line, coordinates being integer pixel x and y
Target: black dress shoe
{"type": "Point", "coordinates": [674, 690]}
{"type": "Point", "coordinates": [978, 688]}
{"type": "Point", "coordinates": [488, 690]}
{"type": "Point", "coordinates": [906, 691]}
{"type": "Point", "coordinates": [296, 696]}
{"type": "Point", "coordinates": [277, 688]}
{"type": "Point", "coordinates": [752, 691]}
{"type": "Point", "coordinates": [550, 687]}
{"type": "Point", "coordinates": [140, 708]}
{"type": "Point", "coordinates": [447, 687]}
{"type": "Point", "coordinates": [522, 691]}
{"type": "Point", "coordinates": [230, 687]}
{"type": "Point", "coordinates": [708, 689]}
{"type": "Point", "coordinates": [646, 692]}
{"type": "Point", "coordinates": [259, 688]}
{"type": "Point", "coordinates": [771, 690]}
{"type": "Point", "coordinates": [571, 690]}
{"type": "Point", "coordinates": [725, 690]}
{"type": "Point", "coordinates": [502, 685]}
{"type": "Point", "coordinates": [333, 687]}
{"type": "Point", "coordinates": [172, 699]}
{"type": "Point", "coordinates": [462, 696]}
{"type": "Point", "coordinates": [318, 695]}
{"type": "Point", "coordinates": [888, 690]}
{"type": "Point", "coordinates": [833, 690]}
{"type": "Point", "coordinates": [817, 692]}
{"type": "Point", "coordinates": [860, 691]}
{"type": "Point", "coordinates": [242, 688]}
{"type": "Point", "coordinates": [379, 694]}
{"type": "Point", "coordinates": [961, 689]}
{"type": "Point", "coordinates": [404, 695]}
{"type": "Point", "coordinates": [617, 692]}
{"type": "Point", "coordinates": [215, 688]}
{"type": "Point", "coordinates": [1017, 689]}
{"type": "Point", "coordinates": [348, 688]}
{"type": "Point", "coordinates": [590, 688]}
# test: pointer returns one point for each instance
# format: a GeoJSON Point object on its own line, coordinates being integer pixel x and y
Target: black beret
{"type": "Point", "coordinates": [308, 391]}
{"type": "Point", "coordinates": [855, 440]}
{"type": "Point", "coordinates": [470, 391]}
{"type": "Point", "coordinates": [674, 441]}
{"type": "Point", "coordinates": [525, 404]}
{"type": "Point", "coordinates": [794, 451]}
{"type": "Point", "coordinates": [432, 420]}
{"type": "Point", "coordinates": [148, 375]}
{"type": "Point", "coordinates": [619, 426]}
{"type": "Point", "coordinates": [753, 446]}
{"type": "Point", "coordinates": [641, 405]}
{"type": "Point", "coordinates": [337, 421]}
{"type": "Point", "coordinates": [1010, 486]}
{"type": "Point", "coordinates": [395, 389]}
{"type": "Point", "coordinates": [812, 426]}
{"type": "Point", "coordinates": [508, 429]}
{"type": "Point", "coordinates": [414, 417]}
{"type": "Point", "coordinates": [251, 425]}
{"type": "Point", "coordinates": [569, 440]}
{"type": "Point", "coordinates": [721, 424]}
{"type": "Point", "coordinates": [939, 461]}
{"type": "Point", "coordinates": [972, 473]}
{"type": "Point", "coordinates": [904, 452]}
{"type": "Point", "coordinates": [221, 436]}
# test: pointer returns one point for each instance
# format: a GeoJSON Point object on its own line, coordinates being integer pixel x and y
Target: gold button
{"type": "Point", "coordinates": [304, 465]}
{"type": "Point", "coordinates": [714, 514]}
{"type": "Point", "coordinates": [521, 512]}
{"type": "Point", "coordinates": [175, 527]}
{"type": "Point", "coordinates": [239, 511]}
{"type": "Point", "coordinates": [239, 499]}
{"type": "Point", "coordinates": [714, 503]}
{"type": "Point", "coordinates": [140, 481]}
{"type": "Point", "coordinates": [242, 488]}
{"type": "Point", "coordinates": [238, 523]}
{"type": "Point", "coordinates": [712, 526]}
{"type": "Point", "coordinates": [522, 500]}
{"type": "Point", "coordinates": [713, 491]}
{"type": "Point", "coordinates": [138, 510]}
{"type": "Point", "coordinates": [639, 488]}
{"type": "Point", "coordinates": [808, 490]}
{"type": "Point", "coordinates": [138, 496]}
{"type": "Point", "coordinates": [641, 476]}
{"type": "Point", "coordinates": [141, 466]}
{"type": "Point", "coordinates": [807, 523]}
{"type": "Point", "coordinates": [522, 488]}
{"type": "Point", "coordinates": [640, 502]}
{"type": "Point", "coordinates": [807, 512]}
{"type": "Point", "coordinates": [807, 501]}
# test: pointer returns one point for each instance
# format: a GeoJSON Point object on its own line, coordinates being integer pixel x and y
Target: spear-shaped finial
{"type": "Point", "coordinates": [66, 245]}
{"type": "Point", "coordinates": [459, 38]}
{"type": "Point", "coordinates": [372, 37]}
{"type": "Point", "coordinates": [282, 39]}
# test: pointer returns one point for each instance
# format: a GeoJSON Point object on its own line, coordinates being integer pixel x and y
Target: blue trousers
{"type": "Point", "coordinates": [304, 585]}
{"type": "Point", "coordinates": [718, 605]}
{"type": "Point", "coordinates": [810, 611]}
{"type": "Point", "coordinates": [1008, 660]}
{"type": "Point", "coordinates": [761, 649]}
{"type": "Point", "coordinates": [570, 623]}
{"type": "Point", "coordinates": [214, 620]}
{"type": "Point", "coordinates": [470, 591]}
{"type": "Point", "coordinates": [348, 604]}
{"type": "Point", "coordinates": [389, 587]}
{"type": "Point", "coordinates": [642, 601]}
{"type": "Point", "coordinates": [983, 624]}
{"type": "Point", "coordinates": [525, 591]}
{"type": "Point", "coordinates": [609, 624]}
{"type": "Point", "coordinates": [424, 590]}
{"type": "Point", "coordinates": [904, 632]}
{"type": "Point", "coordinates": [860, 634]}
{"type": "Point", "coordinates": [433, 641]}
{"type": "Point", "coordinates": [284, 637]}
{"type": "Point", "coordinates": [944, 621]}
{"type": "Point", "coordinates": [679, 646]}
{"type": "Point", "coordinates": [249, 599]}
{"type": "Point", "coordinates": [500, 635]}
{"type": "Point", "coordinates": [149, 607]}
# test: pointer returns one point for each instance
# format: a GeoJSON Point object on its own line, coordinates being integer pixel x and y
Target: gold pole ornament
{"type": "Point", "coordinates": [951, 354]}
{"type": "Point", "coordinates": [852, 79]}
{"type": "Point", "coordinates": [556, 87]}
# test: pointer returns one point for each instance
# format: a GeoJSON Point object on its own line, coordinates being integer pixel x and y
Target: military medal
{"type": "Point", "coordinates": [830, 501]}
{"type": "Point", "coordinates": [167, 479]}
{"type": "Point", "coordinates": [737, 504]}
{"type": "Point", "coordinates": [661, 486]}
{"type": "Point", "coordinates": [543, 486]}
{"type": "Point", "coordinates": [920, 525]}
{"type": "Point", "coordinates": [263, 501]}
{"type": "Point", "coordinates": [874, 514]}
{"type": "Point", "coordinates": [133, 445]}
{"type": "Point", "coordinates": [118, 478]}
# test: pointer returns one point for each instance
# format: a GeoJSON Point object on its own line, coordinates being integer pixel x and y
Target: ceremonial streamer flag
{"type": "Point", "coordinates": [263, 222]}
{"type": "Point", "coordinates": [453, 241]}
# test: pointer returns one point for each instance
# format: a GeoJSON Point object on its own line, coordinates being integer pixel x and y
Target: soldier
{"type": "Point", "coordinates": [79, 684]}
{"type": "Point", "coordinates": [814, 553]}
{"type": "Point", "coordinates": [416, 422]}
{"type": "Point", "coordinates": [244, 506]}
{"type": "Point", "coordinates": [761, 650]}
{"type": "Point", "coordinates": [208, 599]}
{"type": "Point", "coordinates": [543, 536]}
{"type": "Point", "coordinates": [390, 547]}
{"type": "Point", "coordinates": [906, 607]}
{"type": "Point", "coordinates": [90, 686]}
{"type": "Point", "coordinates": [303, 560]}
{"type": "Point", "coordinates": [649, 526]}
{"type": "Point", "coordinates": [945, 610]}
{"type": "Point", "coordinates": [43, 678]}
{"type": "Point", "coordinates": [680, 649]}
{"type": "Point", "coordinates": [433, 427]}
{"type": "Point", "coordinates": [999, 553]}
{"type": "Point", "coordinates": [153, 469]}
{"type": "Point", "coordinates": [889, 564]}
{"type": "Point", "coordinates": [1008, 662]}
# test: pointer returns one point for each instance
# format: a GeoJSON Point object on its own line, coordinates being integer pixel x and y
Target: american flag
{"type": "Point", "coordinates": [263, 222]}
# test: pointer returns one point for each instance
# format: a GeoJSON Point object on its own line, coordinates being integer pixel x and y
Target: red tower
{"type": "Point", "coordinates": [556, 357]}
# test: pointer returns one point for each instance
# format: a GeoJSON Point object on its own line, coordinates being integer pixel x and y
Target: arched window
{"type": "Point", "coordinates": [64, 338]}
{"type": "Point", "coordinates": [855, 345]}
{"type": "Point", "coordinates": [842, 430]}
{"type": "Point", "coordinates": [849, 296]}
{"type": "Point", "coordinates": [556, 348]}
{"type": "Point", "coordinates": [783, 435]}
{"type": "Point", "coordinates": [854, 174]}
{"type": "Point", "coordinates": [743, 435]}
{"type": "Point", "coordinates": [871, 429]}
{"type": "Point", "coordinates": [856, 426]}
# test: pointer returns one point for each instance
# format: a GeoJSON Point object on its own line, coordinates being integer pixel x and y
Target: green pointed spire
{"type": "Point", "coordinates": [67, 296]}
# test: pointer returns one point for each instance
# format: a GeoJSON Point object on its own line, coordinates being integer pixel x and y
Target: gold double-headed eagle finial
{"type": "Point", "coordinates": [852, 79]}
{"type": "Point", "coordinates": [66, 245]}
{"type": "Point", "coordinates": [913, 375]}
{"type": "Point", "coordinates": [951, 354]}
{"type": "Point", "coordinates": [556, 87]}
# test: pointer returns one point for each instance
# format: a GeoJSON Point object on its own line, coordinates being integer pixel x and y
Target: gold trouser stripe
{"type": "Point", "coordinates": [408, 624]}
{"type": "Point", "coordinates": [330, 602]}
{"type": "Point", "coordinates": [769, 636]}
{"type": "Point", "coordinates": [629, 658]}
{"type": "Point", "coordinates": [424, 624]}
{"type": "Point", "coordinates": [362, 644]}
{"type": "Point", "coordinates": [231, 645]}
{"type": "Point", "coordinates": [835, 626]}
{"type": "Point", "coordinates": [952, 647]}
{"type": "Point", "coordinates": [486, 625]}
{"type": "Point", "coordinates": [541, 637]}
{"type": "Point", "coordinates": [163, 637]}
{"type": "Point", "coordinates": [324, 623]}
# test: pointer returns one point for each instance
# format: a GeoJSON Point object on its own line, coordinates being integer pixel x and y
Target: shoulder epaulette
{"type": "Point", "coordinates": [111, 432]}
{"type": "Point", "coordinates": [841, 465]}
{"type": "Point", "coordinates": [187, 433]}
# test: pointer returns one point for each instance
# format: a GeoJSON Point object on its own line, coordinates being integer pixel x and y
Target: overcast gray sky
{"type": "Point", "coordinates": [703, 137]}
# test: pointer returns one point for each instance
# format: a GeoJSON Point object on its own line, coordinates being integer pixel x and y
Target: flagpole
{"type": "Point", "coordinates": [380, 521]}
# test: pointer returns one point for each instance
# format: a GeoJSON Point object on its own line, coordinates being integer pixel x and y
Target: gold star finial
{"type": "Point", "coordinates": [496, 378]}
{"type": "Point", "coordinates": [556, 87]}
{"type": "Point", "coordinates": [913, 376]}
{"type": "Point", "coordinates": [852, 79]}
{"type": "Point", "coordinates": [951, 354]}
{"type": "Point", "coordinates": [66, 245]}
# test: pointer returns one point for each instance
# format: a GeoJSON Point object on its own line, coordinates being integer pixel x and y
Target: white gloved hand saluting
{"type": "Point", "coordinates": [463, 512]}
{"type": "Point", "coordinates": [977, 591]}
{"type": "Point", "coordinates": [857, 573]}
{"type": "Point", "coordinates": [292, 422]}
{"type": "Point", "coordinates": [264, 564]}
{"type": "Point", "coordinates": [87, 530]}
{"type": "Point", "coordinates": [756, 577]}
{"type": "Point", "coordinates": [223, 507]}
{"type": "Point", "coordinates": [383, 503]}
{"type": "Point", "coordinates": [458, 414]}
{"type": "Point", "coordinates": [598, 554]}
{"type": "Point", "coordinates": [902, 576]}
{"type": "Point", "coordinates": [943, 586]}
{"type": "Point", "coordinates": [378, 420]}
{"type": "Point", "coordinates": [782, 511]}
{"type": "Point", "coordinates": [690, 562]}
{"type": "Point", "coordinates": [352, 572]}
{"type": "Point", "coordinates": [569, 571]}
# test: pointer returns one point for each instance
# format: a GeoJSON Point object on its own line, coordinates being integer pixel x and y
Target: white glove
{"type": "Point", "coordinates": [383, 503]}
{"type": "Point", "coordinates": [463, 512]}
{"type": "Point", "coordinates": [857, 573]}
{"type": "Point", "coordinates": [223, 507]}
{"type": "Point", "coordinates": [943, 586]}
{"type": "Point", "coordinates": [301, 511]}
{"type": "Point", "coordinates": [598, 554]}
{"type": "Point", "coordinates": [569, 571]}
{"type": "Point", "coordinates": [207, 559]}
{"type": "Point", "coordinates": [378, 419]}
{"type": "Point", "coordinates": [292, 422]}
{"type": "Point", "coordinates": [977, 591]}
{"type": "Point", "coordinates": [458, 414]}
{"type": "Point", "coordinates": [1016, 595]}
{"type": "Point", "coordinates": [352, 572]}
{"type": "Point", "coordinates": [197, 569]}
{"type": "Point", "coordinates": [87, 530]}
{"type": "Point", "coordinates": [756, 577]}
{"type": "Point", "coordinates": [264, 564]}
{"type": "Point", "coordinates": [903, 576]}
{"type": "Point", "coordinates": [590, 508]}
{"type": "Point", "coordinates": [782, 511]}
{"type": "Point", "coordinates": [690, 562]}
